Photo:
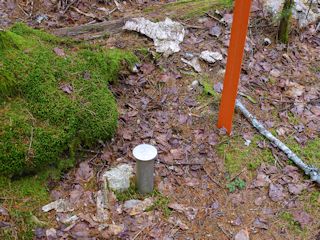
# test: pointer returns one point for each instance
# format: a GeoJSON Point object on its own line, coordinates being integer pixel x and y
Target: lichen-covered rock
{"type": "Point", "coordinates": [52, 102]}
{"type": "Point", "coordinates": [118, 178]}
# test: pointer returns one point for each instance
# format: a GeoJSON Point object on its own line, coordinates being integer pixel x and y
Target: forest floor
{"type": "Point", "coordinates": [209, 185]}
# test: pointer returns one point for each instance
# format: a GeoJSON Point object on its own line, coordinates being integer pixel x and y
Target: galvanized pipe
{"type": "Point", "coordinates": [145, 156]}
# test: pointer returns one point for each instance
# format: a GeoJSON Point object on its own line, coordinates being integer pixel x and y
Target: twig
{"type": "Point", "coordinates": [87, 14]}
{"type": "Point", "coordinates": [137, 235]}
{"type": "Point", "coordinates": [212, 179]}
{"type": "Point", "coordinates": [217, 19]}
{"type": "Point", "coordinates": [179, 164]}
{"type": "Point", "coordinates": [118, 5]}
{"type": "Point", "coordinates": [224, 231]}
{"type": "Point", "coordinates": [313, 172]}
{"type": "Point", "coordinates": [192, 26]}
{"type": "Point", "coordinates": [237, 175]}
{"type": "Point", "coordinates": [69, 5]}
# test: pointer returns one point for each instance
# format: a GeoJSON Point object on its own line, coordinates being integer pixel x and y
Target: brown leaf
{"type": "Point", "coordinates": [190, 212]}
{"type": "Point", "coordinates": [296, 188]}
{"type": "Point", "coordinates": [276, 192]}
{"type": "Point", "coordinates": [84, 172]}
{"type": "Point", "coordinates": [177, 154]}
{"type": "Point", "coordinates": [302, 218]}
{"type": "Point", "coordinates": [192, 182]}
{"type": "Point", "coordinates": [260, 223]}
{"type": "Point", "coordinates": [59, 51]}
{"type": "Point", "coordinates": [262, 180]}
{"type": "Point", "coordinates": [67, 88]}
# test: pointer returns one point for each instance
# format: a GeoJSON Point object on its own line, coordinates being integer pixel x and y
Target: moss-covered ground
{"type": "Point", "coordinates": [188, 9]}
{"type": "Point", "coordinates": [53, 96]}
{"type": "Point", "coordinates": [23, 198]}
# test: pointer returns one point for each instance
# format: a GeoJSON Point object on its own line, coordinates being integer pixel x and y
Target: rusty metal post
{"type": "Point", "coordinates": [239, 30]}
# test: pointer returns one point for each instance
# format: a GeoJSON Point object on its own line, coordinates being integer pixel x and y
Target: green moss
{"type": "Point", "coordinates": [293, 225]}
{"type": "Point", "coordinates": [39, 120]}
{"type": "Point", "coordinates": [23, 198]}
{"type": "Point", "coordinates": [186, 9]}
{"type": "Point", "coordinates": [309, 153]}
{"type": "Point", "coordinates": [237, 156]}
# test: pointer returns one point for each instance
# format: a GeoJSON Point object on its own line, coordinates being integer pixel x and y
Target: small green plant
{"type": "Point", "coordinates": [236, 184]}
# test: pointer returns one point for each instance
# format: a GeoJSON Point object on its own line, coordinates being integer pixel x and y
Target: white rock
{"type": "Point", "coordinates": [195, 84]}
{"type": "Point", "coordinates": [131, 203]}
{"type": "Point", "coordinates": [102, 207]}
{"type": "Point", "coordinates": [135, 207]}
{"type": "Point", "coordinates": [167, 35]}
{"type": "Point", "coordinates": [67, 219]}
{"type": "Point", "coordinates": [118, 178]}
{"type": "Point", "coordinates": [194, 63]}
{"type": "Point", "coordinates": [300, 11]}
{"type": "Point", "coordinates": [211, 57]}
{"type": "Point", "coordinates": [61, 205]}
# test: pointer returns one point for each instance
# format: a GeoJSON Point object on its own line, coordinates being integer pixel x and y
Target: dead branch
{"type": "Point", "coordinates": [107, 27]}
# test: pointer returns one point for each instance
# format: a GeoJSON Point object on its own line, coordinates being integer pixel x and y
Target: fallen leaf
{"type": "Point", "coordinates": [67, 88]}
{"type": "Point", "coordinates": [276, 192]}
{"type": "Point", "coordinates": [295, 90]}
{"type": "Point", "coordinates": [260, 223]}
{"type": "Point", "coordinates": [302, 217]}
{"type": "Point", "coordinates": [84, 172]}
{"type": "Point", "coordinates": [190, 212]}
{"type": "Point", "coordinates": [215, 31]}
{"type": "Point", "coordinates": [59, 51]}
{"type": "Point", "coordinates": [242, 235]}
{"type": "Point", "coordinates": [262, 180]}
{"type": "Point", "coordinates": [177, 222]}
{"type": "Point", "coordinates": [192, 182]}
{"type": "Point", "coordinates": [296, 188]}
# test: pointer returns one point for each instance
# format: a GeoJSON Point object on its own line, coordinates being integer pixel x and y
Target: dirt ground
{"type": "Point", "coordinates": [209, 185]}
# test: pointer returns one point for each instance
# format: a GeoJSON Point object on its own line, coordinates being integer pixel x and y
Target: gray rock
{"type": "Point", "coordinates": [131, 203]}
{"type": "Point", "coordinates": [242, 235]}
{"type": "Point", "coordinates": [134, 207]}
{"type": "Point", "coordinates": [118, 178]}
{"type": "Point", "coordinates": [211, 57]}
{"type": "Point", "coordinates": [194, 63]}
{"type": "Point", "coordinates": [102, 214]}
{"type": "Point", "coordinates": [61, 205]}
{"type": "Point", "coordinates": [300, 11]}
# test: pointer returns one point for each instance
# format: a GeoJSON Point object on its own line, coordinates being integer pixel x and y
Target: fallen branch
{"type": "Point", "coordinates": [313, 172]}
{"type": "Point", "coordinates": [90, 15]}
{"type": "Point", "coordinates": [107, 27]}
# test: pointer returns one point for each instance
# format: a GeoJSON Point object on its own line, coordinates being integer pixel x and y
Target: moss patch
{"type": "Point", "coordinates": [187, 9]}
{"type": "Point", "coordinates": [51, 102]}
{"type": "Point", "coordinates": [237, 156]}
{"type": "Point", "coordinates": [23, 198]}
{"type": "Point", "coordinates": [309, 153]}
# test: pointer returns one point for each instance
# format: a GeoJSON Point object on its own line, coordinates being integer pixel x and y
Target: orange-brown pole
{"type": "Point", "coordinates": [235, 54]}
